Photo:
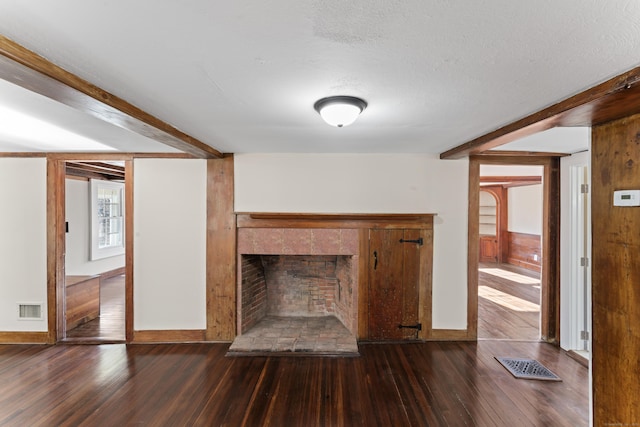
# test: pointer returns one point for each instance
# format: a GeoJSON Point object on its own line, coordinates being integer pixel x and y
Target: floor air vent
{"type": "Point", "coordinates": [527, 368]}
{"type": "Point", "coordinates": [29, 311]}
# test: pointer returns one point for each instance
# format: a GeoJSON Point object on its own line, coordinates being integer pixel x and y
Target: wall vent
{"type": "Point", "coordinates": [29, 311]}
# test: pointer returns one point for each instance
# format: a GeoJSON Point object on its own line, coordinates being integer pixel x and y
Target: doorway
{"type": "Point", "coordinates": [547, 256]}
{"type": "Point", "coordinates": [510, 252]}
{"type": "Point", "coordinates": [91, 209]}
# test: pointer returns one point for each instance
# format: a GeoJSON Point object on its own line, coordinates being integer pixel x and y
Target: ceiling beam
{"type": "Point", "coordinates": [522, 153]}
{"type": "Point", "coordinates": [97, 166]}
{"type": "Point", "coordinates": [614, 99]}
{"type": "Point", "coordinates": [31, 71]}
{"type": "Point", "coordinates": [95, 169]}
{"type": "Point", "coordinates": [489, 179]}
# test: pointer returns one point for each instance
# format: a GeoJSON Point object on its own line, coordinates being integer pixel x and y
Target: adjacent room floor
{"type": "Point", "coordinates": [508, 302]}
{"type": "Point", "coordinates": [110, 326]}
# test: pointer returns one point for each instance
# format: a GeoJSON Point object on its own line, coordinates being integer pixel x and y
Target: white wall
{"type": "Point", "coordinates": [525, 203]}
{"type": "Point", "coordinates": [372, 183]}
{"type": "Point", "coordinates": [525, 209]}
{"type": "Point", "coordinates": [78, 209]}
{"type": "Point", "coordinates": [23, 241]}
{"type": "Point", "coordinates": [169, 244]}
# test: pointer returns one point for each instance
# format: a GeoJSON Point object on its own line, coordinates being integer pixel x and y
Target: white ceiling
{"type": "Point", "coordinates": [243, 76]}
{"type": "Point", "coordinates": [556, 140]}
{"type": "Point", "coordinates": [45, 109]}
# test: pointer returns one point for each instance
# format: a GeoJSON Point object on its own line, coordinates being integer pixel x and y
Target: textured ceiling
{"type": "Point", "coordinates": [243, 76]}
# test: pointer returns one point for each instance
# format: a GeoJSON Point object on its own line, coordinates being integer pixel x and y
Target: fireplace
{"type": "Point", "coordinates": [296, 285]}
{"type": "Point", "coordinates": [303, 279]}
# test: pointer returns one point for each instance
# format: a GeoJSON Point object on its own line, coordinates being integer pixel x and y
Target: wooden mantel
{"type": "Point", "coordinates": [333, 220]}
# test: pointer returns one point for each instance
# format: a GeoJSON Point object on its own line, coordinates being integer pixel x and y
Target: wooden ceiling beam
{"type": "Point", "coordinates": [87, 170]}
{"type": "Point", "coordinates": [97, 168]}
{"type": "Point", "coordinates": [31, 71]}
{"type": "Point", "coordinates": [85, 174]}
{"type": "Point", "coordinates": [522, 153]}
{"type": "Point", "coordinates": [101, 166]}
{"type": "Point", "coordinates": [533, 178]}
{"type": "Point", "coordinates": [509, 181]}
{"type": "Point", "coordinates": [614, 99]}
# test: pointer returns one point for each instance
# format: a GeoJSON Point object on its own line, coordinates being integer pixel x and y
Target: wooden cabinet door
{"type": "Point", "coordinates": [488, 249]}
{"type": "Point", "coordinates": [393, 284]}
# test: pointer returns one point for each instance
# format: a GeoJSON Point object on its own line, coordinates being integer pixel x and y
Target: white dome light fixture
{"type": "Point", "coordinates": [340, 111]}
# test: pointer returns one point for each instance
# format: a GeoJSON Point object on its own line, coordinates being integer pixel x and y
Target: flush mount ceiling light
{"type": "Point", "coordinates": [340, 111]}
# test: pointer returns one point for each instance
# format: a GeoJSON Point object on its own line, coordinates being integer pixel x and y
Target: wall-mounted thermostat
{"type": "Point", "coordinates": [626, 198]}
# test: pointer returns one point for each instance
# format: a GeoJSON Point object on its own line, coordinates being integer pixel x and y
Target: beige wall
{"type": "Point", "coordinates": [23, 241]}
{"type": "Point", "coordinates": [170, 224]}
{"type": "Point", "coordinates": [169, 244]}
{"type": "Point", "coordinates": [525, 209]}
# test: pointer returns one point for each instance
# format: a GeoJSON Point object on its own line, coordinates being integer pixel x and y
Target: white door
{"type": "Point", "coordinates": [580, 258]}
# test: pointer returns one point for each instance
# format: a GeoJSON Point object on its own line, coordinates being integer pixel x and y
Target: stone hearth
{"type": "Point", "coordinates": [321, 335]}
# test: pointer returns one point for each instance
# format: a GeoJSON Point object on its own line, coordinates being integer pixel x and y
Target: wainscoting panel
{"type": "Point", "coordinates": [524, 250]}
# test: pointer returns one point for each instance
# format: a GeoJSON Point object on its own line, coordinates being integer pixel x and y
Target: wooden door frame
{"type": "Point", "coordinates": [550, 278]}
{"type": "Point", "coordinates": [56, 240]}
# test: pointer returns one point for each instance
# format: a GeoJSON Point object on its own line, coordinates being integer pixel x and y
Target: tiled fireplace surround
{"type": "Point", "coordinates": [310, 272]}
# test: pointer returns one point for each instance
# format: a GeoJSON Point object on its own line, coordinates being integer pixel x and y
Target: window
{"type": "Point", "coordinates": [107, 219]}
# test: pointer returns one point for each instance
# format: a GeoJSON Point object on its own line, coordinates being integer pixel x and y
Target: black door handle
{"type": "Point", "coordinates": [375, 260]}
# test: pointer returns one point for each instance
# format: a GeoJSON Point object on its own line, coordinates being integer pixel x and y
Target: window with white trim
{"type": "Point", "coordinates": [107, 219]}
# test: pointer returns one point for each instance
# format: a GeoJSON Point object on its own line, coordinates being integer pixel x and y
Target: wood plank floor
{"type": "Point", "coordinates": [508, 302]}
{"type": "Point", "coordinates": [110, 325]}
{"type": "Point", "coordinates": [418, 384]}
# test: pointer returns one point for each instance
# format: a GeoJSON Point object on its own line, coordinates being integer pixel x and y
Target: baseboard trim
{"type": "Point", "coordinates": [449, 335]}
{"type": "Point", "coordinates": [24, 337]}
{"type": "Point", "coordinates": [578, 358]}
{"type": "Point", "coordinates": [169, 336]}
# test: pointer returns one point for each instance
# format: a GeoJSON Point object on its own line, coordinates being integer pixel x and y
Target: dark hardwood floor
{"type": "Point", "coordinates": [418, 384]}
{"type": "Point", "coordinates": [110, 325]}
{"type": "Point", "coordinates": [508, 302]}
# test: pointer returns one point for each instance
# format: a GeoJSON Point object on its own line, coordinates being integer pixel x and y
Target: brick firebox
{"type": "Point", "coordinates": [297, 272]}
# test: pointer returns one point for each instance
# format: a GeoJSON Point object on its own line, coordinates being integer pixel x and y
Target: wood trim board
{"type": "Point", "coordinates": [168, 336]}
{"type": "Point", "coordinates": [221, 251]}
{"type": "Point", "coordinates": [24, 337]}
{"type": "Point", "coordinates": [128, 251]}
{"type": "Point", "coordinates": [56, 241]}
{"type": "Point", "coordinates": [354, 221]}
